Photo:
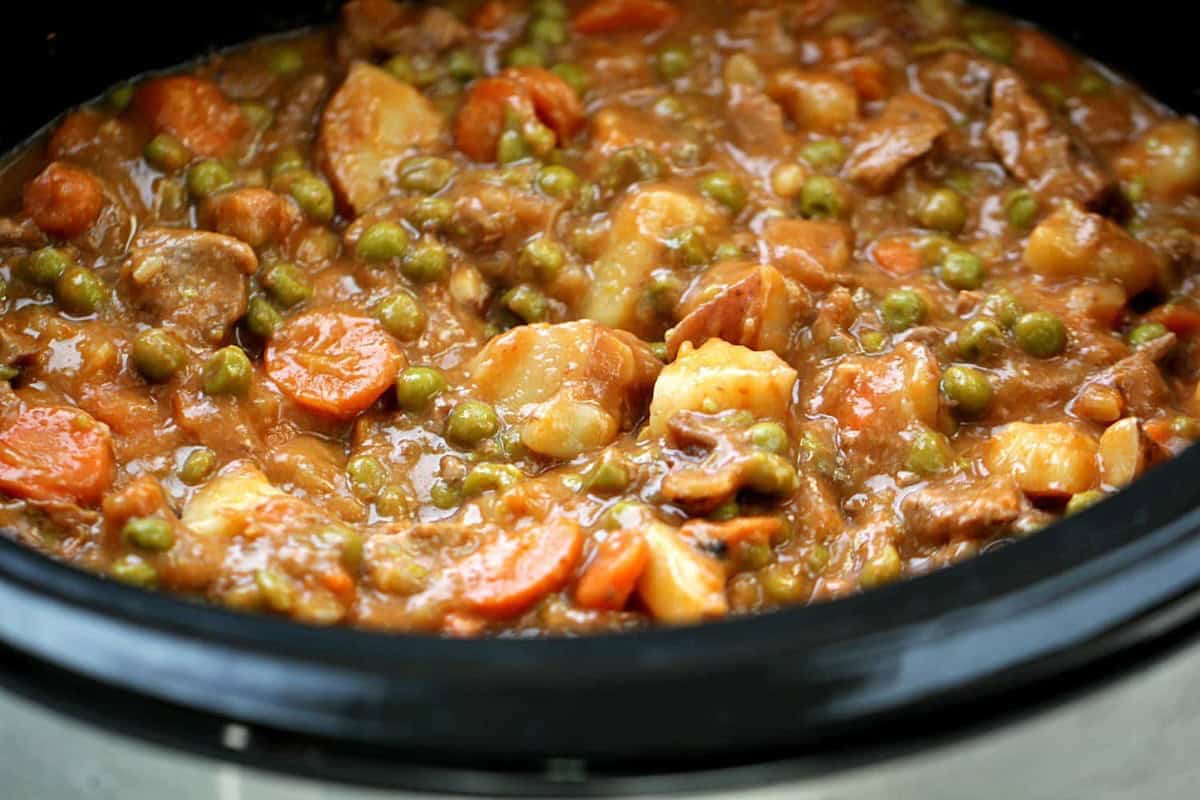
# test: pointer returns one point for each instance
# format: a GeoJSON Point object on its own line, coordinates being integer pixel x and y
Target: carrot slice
{"type": "Point", "coordinates": [1179, 319]}
{"type": "Point", "coordinates": [554, 100]}
{"type": "Point", "coordinates": [333, 363]}
{"type": "Point", "coordinates": [64, 201]}
{"type": "Point", "coordinates": [480, 121]}
{"type": "Point", "coordinates": [898, 255]}
{"type": "Point", "coordinates": [613, 572]}
{"type": "Point", "coordinates": [758, 530]}
{"type": "Point", "coordinates": [192, 109]}
{"type": "Point", "coordinates": [513, 571]}
{"type": "Point", "coordinates": [615, 16]}
{"type": "Point", "coordinates": [55, 453]}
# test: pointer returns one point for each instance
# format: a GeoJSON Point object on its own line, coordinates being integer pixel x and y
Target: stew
{"type": "Point", "coordinates": [523, 318]}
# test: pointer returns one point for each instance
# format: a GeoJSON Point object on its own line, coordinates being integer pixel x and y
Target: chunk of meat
{"type": "Point", "coordinates": [815, 101]}
{"type": "Point", "coordinates": [494, 219]}
{"type": "Point", "coordinates": [680, 585]}
{"type": "Point", "coordinates": [904, 131]}
{"type": "Point", "coordinates": [1139, 380]}
{"type": "Point", "coordinates": [618, 16]}
{"type": "Point", "coordinates": [957, 79]}
{"type": "Point", "coordinates": [757, 121]}
{"type": "Point", "coordinates": [63, 200]}
{"type": "Point", "coordinates": [1074, 243]}
{"type": "Point", "coordinates": [512, 571]}
{"type": "Point", "coordinates": [719, 376]}
{"type": "Point", "coordinates": [941, 513]}
{"type": "Point", "coordinates": [315, 469]}
{"type": "Point", "coordinates": [570, 387]}
{"type": "Point", "coordinates": [384, 26]}
{"type": "Point", "coordinates": [1037, 151]}
{"type": "Point", "coordinates": [256, 216]}
{"type": "Point", "coordinates": [194, 111]}
{"type": "Point", "coordinates": [1046, 460]}
{"type": "Point", "coordinates": [814, 253]}
{"type": "Point", "coordinates": [192, 281]}
{"type": "Point", "coordinates": [54, 453]}
{"type": "Point", "coordinates": [370, 124]}
{"type": "Point", "coordinates": [299, 110]}
{"type": "Point", "coordinates": [751, 305]}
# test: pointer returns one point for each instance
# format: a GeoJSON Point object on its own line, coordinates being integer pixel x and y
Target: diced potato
{"type": "Point", "coordinates": [1049, 459]}
{"type": "Point", "coordinates": [637, 244]}
{"type": "Point", "coordinates": [1122, 452]}
{"type": "Point", "coordinates": [813, 252]}
{"type": "Point", "coordinates": [570, 387]}
{"type": "Point", "coordinates": [1166, 160]}
{"type": "Point", "coordinates": [719, 376]}
{"type": "Point", "coordinates": [1073, 243]}
{"type": "Point", "coordinates": [680, 584]}
{"type": "Point", "coordinates": [223, 507]}
{"type": "Point", "coordinates": [1098, 403]}
{"type": "Point", "coordinates": [815, 101]}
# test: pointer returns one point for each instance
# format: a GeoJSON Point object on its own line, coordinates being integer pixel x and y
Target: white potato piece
{"type": "Point", "coordinates": [223, 506]}
{"type": "Point", "coordinates": [1166, 160]}
{"type": "Point", "coordinates": [680, 585]}
{"type": "Point", "coordinates": [1122, 452]}
{"type": "Point", "coordinates": [1047, 460]}
{"type": "Point", "coordinates": [815, 101]}
{"type": "Point", "coordinates": [719, 376]}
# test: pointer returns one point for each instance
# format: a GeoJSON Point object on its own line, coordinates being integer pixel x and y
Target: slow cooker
{"type": "Point", "coordinates": [1065, 665]}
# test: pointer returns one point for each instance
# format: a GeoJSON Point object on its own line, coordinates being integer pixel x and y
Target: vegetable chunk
{"type": "Point", "coordinates": [64, 201]}
{"type": "Point", "coordinates": [680, 584]}
{"type": "Point", "coordinates": [55, 453]}
{"type": "Point", "coordinates": [1046, 460]}
{"type": "Point", "coordinates": [194, 111]}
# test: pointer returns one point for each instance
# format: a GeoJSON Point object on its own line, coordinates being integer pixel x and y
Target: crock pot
{"type": "Point", "coordinates": [1047, 664]}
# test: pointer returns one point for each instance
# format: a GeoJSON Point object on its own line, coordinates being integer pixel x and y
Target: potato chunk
{"type": "Point", "coordinates": [719, 376]}
{"type": "Point", "coordinates": [1166, 159]}
{"type": "Point", "coordinates": [1074, 243]}
{"type": "Point", "coordinates": [814, 101]}
{"type": "Point", "coordinates": [1049, 459]}
{"type": "Point", "coordinates": [370, 124]}
{"type": "Point", "coordinates": [570, 388]}
{"type": "Point", "coordinates": [223, 506]}
{"type": "Point", "coordinates": [680, 585]}
{"type": "Point", "coordinates": [1122, 452]}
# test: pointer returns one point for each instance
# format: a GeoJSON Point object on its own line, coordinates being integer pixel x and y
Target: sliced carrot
{"type": "Point", "coordinates": [757, 530]}
{"type": "Point", "coordinates": [333, 363]}
{"type": "Point", "coordinates": [338, 581]}
{"type": "Point", "coordinates": [1179, 319]}
{"type": "Point", "coordinates": [78, 131]}
{"type": "Point", "coordinates": [1042, 56]}
{"type": "Point", "coordinates": [898, 255]}
{"type": "Point", "coordinates": [64, 201]}
{"type": "Point", "coordinates": [617, 16]}
{"type": "Point", "coordinates": [1159, 431]}
{"type": "Point", "coordinates": [55, 453]}
{"type": "Point", "coordinates": [512, 571]}
{"type": "Point", "coordinates": [481, 119]}
{"type": "Point", "coordinates": [491, 15]}
{"type": "Point", "coordinates": [554, 100]}
{"type": "Point", "coordinates": [868, 77]}
{"type": "Point", "coordinates": [613, 573]}
{"type": "Point", "coordinates": [192, 109]}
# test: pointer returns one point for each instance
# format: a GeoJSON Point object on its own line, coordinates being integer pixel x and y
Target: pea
{"type": "Point", "coordinates": [544, 257]}
{"type": "Point", "coordinates": [262, 318]}
{"type": "Point", "coordinates": [782, 584]}
{"type": "Point", "coordinates": [525, 56]}
{"type": "Point", "coordinates": [928, 453]}
{"type": "Point", "coordinates": [824, 153]}
{"type": "Point", "coordinates": [208, 177]}
{"type": "Point", "coordinates": [770, 473]}
{"type": "Point", "coordinates": [673, 62]}
{"type": "Point", "coordinates": [8, 372]}
{"type": "Point", "coordinates": [198, 465]}
{"type": "Point", "coordinates": [314, 197]}
{"type": "Point", "coordinates": [787, 180]}
{"type": "Point", "coordinates": [547, 31]}
{"type": "Point", "coordinates": [391, 502]}
{"type": "Point", "coordinates": [285, 61]}
{"type": "Point", "coordinates": [149, 533]}
{"type": "Point", "coordinates": [510, 148]}
{"type": "Point", "coordinates": [539, 139]}
{"type": "Point", "coordinates": [943, 210]}
{"type": "Point", "coordinates": [573, 75]}
{"type": "Point", "coordinates": [609, 476]}
{"type": "Point", "coordinates": [873, 341]}
{"type": "Point", "coordinates": [962, 270]}
{"type": "Point", "coordinates": [490, 477]}
{"type": "Point", "coordinates": [287, 284]}
{"type": "Point", "coordinates": [726, 189]}
{"type": "Point", "coordinates": [997, 44]}
{"type": "Point", "coordinates": [463, 65]}
{"type": "Point", "coordinates": [417, 386]}
{"type": "Point", "coordinates": [660, 351]}
{"type": "Point", "coordinates": [1041, 334]}
{"type": "Point", "coordinates": [968, 388]}
{"type": "Point", "coordinates": [166, 153]}
{"type": "Point", "coordinates": [980, 339]}
{"type": "Point", "coordinates": [287, 159]}
{"type": "Point", "coordinates": [726, 511]}
{"type": "Point", "coordinates": [278, 591]}
{"type": "Point", "coordinates": [135, 572]}
{"type": "Point", "coordinates": [1004, 307]}
{"type": "Point", "coordinates": [551, 9]}
{"type": "Point", "coordinates": [471, 422]}
{"type": "Point", "coordinates": [820, 198]}
{"type": "Point", "coordinates": [727, 251]}
{"type": "Point", "coordinates": [427, 174]}
{"type": "Point", "coordinates": [228, 371]}
{"type": "Point", "coordinates": [79, 291]}
{"type": "Point", "coordinates": [663, 290]}
{"type": "Point", "coordinates": [902, 309]}
{"type": "Point", "coordinates": [43, 267]}
{"type": "Point", "coordinates": [1021, 208]}
{"type": "Point", "coordinates": [817, 559]}
{"type": "Point", "coordinates": [744, 70]}
{"type": "Point", "coordinates": [445, 496]}
{"type": "Point", "coordinates": [402, 316]}
{"type": "Point", "coordinates": [383, 241]}
{"type": "Point", "coordinates": [158, 355]}
{"type": "Point", "coordinates": [258, 115]}
{"type": "Point", "coordinates": [630, 165]}
{"type": "Point", "coordinates": [881, 568]}
{"type": "Point", "coordinates": [558, 182]}
{"type": "Point", "coordinates": [120, 97]}
{"type": "Point", "coordinates": [428, 261]}
{"type": "Point", "coordinates": [670, 107]}
{"type": "Point", "coordinates": [769, 436]}
{"type": "Point", "coordinates": [1083, 500]}
{"type": "Point", "coordinates": [431, 212]}
{"type": "Point", "coordinates": [366, 475]}
{"type": "Point", "coordinates": [1146, 332]}
{"type": "Point", "coordinates": [527, 303]}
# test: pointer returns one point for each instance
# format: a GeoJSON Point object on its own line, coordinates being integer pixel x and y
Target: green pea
{"type": "Point", "coordinates": [544, 257]}
{"type": "Point", "coordinates": [882, 568]}
{"type": "Point", "coordinates": [149, 533]}
{"type": "Point", "coordinates": [471, 422]}
{"type": "Point", "coordinates": [527, 303]}
{"type": "Point", "coordinates": [510, 148]}
{"type": "Point", "coordinates": [770, 473]}
{"type": "Point", "coordinates": [1093, 83]}
{"type": "Point", "coordinates": [208, 177]}
{"type": "Point", "coordinates": [1021, 208]}
{"type": "Point", "coordinates": [820, 198]}
{"type": "Point", "coordinates": [944, 210]}
{"type": "Point", "coordinates": [670, 107]}
{"type": "Point", "coordinates": [663, 290]}
{"type": "Point", "coordinates": [79, 291]}
{"type": "Point", "coordinates": [431, 213]}
{"type": "Point", "coordinates": [660, 351]}
{"type": "Point", "coordinates": [228, 371]}
{"type": "Point", "coordinates": [525, 56]}
{"type": "Point", "coordinates": [539, 139]}
{"type": "Point", "coordinates": [391, 502]}
{"type": "Point", "coordinates": [198, 465]}
{"type": "Point", "coordinates": [726, 511]}
{"type": "Point", "coordinates": [1186, 428]}
{"type": "Point", "coordinates": [262, 318]}
{"type": "Point", "coordinates": [158, 354]}
{"type": "Point", "coordinates": [547, 31]}
{"type": "Point", "coordinates": [286, 160]}
{"type": "Point", "coordinates": [928, 453]}
{"type": "Point", "coordinates": [769, 436]}
{"type": "Point", "coordinates": [962, 270]}
{"type": "Point", "coordinates": [1004, 307]}
{"type": "Point", "coordinates": [630, 165]}
{"type": "Point", "coordinates": [285, 61]}
{"type": "Point", "coordinates": [690, 247]}
{"type": "Point", "coordinates": [968, 388]}
{"type": "Point", "coordinates": [287, 284]}
{"type": "Point", "coordinates": [980, 339]}
{"type": "Point", "coordinates": [609, 476]}
{"type": "Point", "coordinates": [902, 309]}
{"type": "Point", "coordinates": [1147, 332]}
{"type": "Point", "coordinates": [428, 261]}
{"type": "Point", "coordinates": [726, 189]}
{"type": "Point", "coordinates": [8, 372]}
{"type": "Point", "coordinates": [134, 571]}
{"type": "Point", "coordinates": [463, 65]}
{"type": "Point", "coordinates": [278, 591]}
{"type": "Point", "coordinates": [551, 9]}
{"type": "Point", "coordinates": [997, 44]}
{"type": "Point", "coordinates": [402, 316]}
{"type": "Point", "coordinates": [366, 475]}
{"type": "Point", "coordinates": [873, 341]}
{"type": "Point", "coordinates": [817, 558]}
{"type": "Point", "coordinates": [427, 174]}
{"type": "Point", "coordinates": [445, 496]}
{"type": "Point", "coordinates": [417, 386]}
{"type": "Point", "coordinates": [257, 114]}
{"type": "Point", "coordinates": [120, 97]}
{"type": "Point", "coordinates": [727, 251]}
{"type": "Point", "coordinates": [490, 477]}
{"type": "Point", "coordinates": [43, 267]}
{"type": "Point", "coordinates": [383, 241]}
{"type": "Point", "coordinates": [1083, 500]}
{"type": "Point", "coordinates": [824, 153]}
{"type": "Point", "coordinates": [782, 584]}
{"type": "Point", "coordinates": [166, 153]}
{"type": "Point", "coordinates": [1041, 334]}
{"type": "Point", "coordinates": [558, 182]}
{"type": "Point", "coordinates": [314, 197]}
{"type": "Point", "coordinates": [573, 75]}
{"type": "Point", "coordinates": [673, 62]}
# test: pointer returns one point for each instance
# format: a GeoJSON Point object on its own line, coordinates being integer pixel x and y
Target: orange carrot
{"type": "Point", "coordinates": [1042, 56]}
{"type": "Point", "coordinates": [192, 109]}
{"type": "Point", "coordinates": [757, 530]}
{"type": "Point", "coordinates": [490, 16]}
{"type": "Point", "coordinates": [64, 201]}
{"type": "Point", "coordinates": [555, 101]}
{"type": "Point", "coordinates": [55, 453]}
{"type": "Point", "coordinates": [613, 572]}
{"type": "Point", "coordinates": [898, 255]}
{"type": "Point", "coordinates": [338, 581]}
{"type": "Point", "coordinates": [514, 570]}
{"type": "Point", "coordinates": [1179, 319]}
{"type": "Point", "coordinates": [1159, 431]}
{"type": "Point", "coordinates": [480, 120]}
{"type": "Point", "coordinates": [615, 16]}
